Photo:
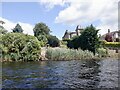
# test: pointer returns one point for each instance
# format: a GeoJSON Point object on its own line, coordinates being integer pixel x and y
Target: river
{"type": "Point", "coordinates": [82, 74]}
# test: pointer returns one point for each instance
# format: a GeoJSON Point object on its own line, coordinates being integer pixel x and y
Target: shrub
{"type": "Point", "coordinates": [53, 41]}
{"type": "Point", "coordinates": [20, 47]}
{"type": "Point", "coordinates": [42, 39]}
{"type": "Point", "coordinates": [73, 43]}
{"type": "Point", "coordinates": [112, 44]}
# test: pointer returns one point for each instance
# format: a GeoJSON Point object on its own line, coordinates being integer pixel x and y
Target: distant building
{"type": "Point", "coordinates": [111, 36]}
{"type": "Point", "coordinates": [69, 35]}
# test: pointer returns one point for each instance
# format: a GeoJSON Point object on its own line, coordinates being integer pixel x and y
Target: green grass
{"type": "Point", "coordinates": [102, 52]}
{"type": "Point", "coordinates": [68, 54]}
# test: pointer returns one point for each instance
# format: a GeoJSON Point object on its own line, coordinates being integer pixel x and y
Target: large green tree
{"type": "Point", "coordinates": [18, 29]}
{"type": "Point", "coordinates": [41, 29]}
{"type": "Point", "coordinates": [88, 40]}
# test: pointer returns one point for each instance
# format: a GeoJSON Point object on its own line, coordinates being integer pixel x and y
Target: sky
{"type": "Point", "coordinates": [60, 15]}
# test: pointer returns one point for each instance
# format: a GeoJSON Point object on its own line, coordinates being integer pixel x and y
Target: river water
{"type": "Point", "coordinates": [82, 74]}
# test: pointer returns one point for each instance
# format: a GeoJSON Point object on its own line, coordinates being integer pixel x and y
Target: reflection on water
{"type": "Point", "coordinates": [61, 74]}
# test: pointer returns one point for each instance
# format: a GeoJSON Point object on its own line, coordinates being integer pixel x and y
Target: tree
{"type": "Point", "coordinates": [18, 29]}
{"type": "Point", "coordinates": [53, 41]}
{"type": "Point", "coordinates": [41, 29]}
{"type": "Point", "coordinates": [89, 39]}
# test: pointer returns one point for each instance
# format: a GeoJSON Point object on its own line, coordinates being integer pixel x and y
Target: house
{"type": "Point", "coordinates": [111, 36]}
{"type": "Point", "coordinates": [69, 35]}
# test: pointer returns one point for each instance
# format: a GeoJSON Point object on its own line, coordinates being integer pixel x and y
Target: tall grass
{"type": "Point", "coordinates": [102, 52]}
{"type": "Point", "coordinates": [68, 54]}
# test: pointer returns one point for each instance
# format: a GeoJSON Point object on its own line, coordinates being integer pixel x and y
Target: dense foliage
{"type": "Point", "coordinates": [19, 47]}
{"type": "Point", "coordinates": [43, 39]}
{"type": "Point", "coordinates": [73, 43]}
{"type": "Point", "coordinates": [110, 44]}
{"type": "Point", "coordinates": [42, 32]}
{"type": "Point", "coordinates": [53, 41]}
{"type": "Point", "coordinates": [18, 29]}
{"type": "Point", "coordinates": [41, 29]}
{"type": "Point", "coordinates": [88, 40]}
{"type": "Point", "coordinates": [68, 54]}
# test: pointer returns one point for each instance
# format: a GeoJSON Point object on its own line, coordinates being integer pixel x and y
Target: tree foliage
{"type": "Point", "coordinates": [53, 41]}
{"type": "Point", "coordinates": [43, 39]}
{"type": "Point", "coordinates": [20, 47]}
{"type": "Point", "coordinates": [41, 29]}
{"type": "Point", "coordinates": [18, 29]}
{"type": "Point", "coordinates": [42, 32]}
{"type": "Point", "coordinates": [88, 40]}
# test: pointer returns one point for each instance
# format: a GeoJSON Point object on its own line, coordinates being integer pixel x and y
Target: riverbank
{"type": "Point", "coordinates": [113, 54]}
{"type": "Point", "coordinates": [63, 54]}
{"type": "Point", "coordinates": [57, 52]}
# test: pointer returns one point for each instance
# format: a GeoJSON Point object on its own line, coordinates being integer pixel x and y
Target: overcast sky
{"type": "Point", "coordinates": [60, 15]}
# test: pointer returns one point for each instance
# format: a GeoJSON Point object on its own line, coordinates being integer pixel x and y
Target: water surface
{"type": "Point", "coordinates": [85, 74]}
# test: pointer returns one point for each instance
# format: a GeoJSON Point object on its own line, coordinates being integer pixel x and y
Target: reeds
{"type": "Point", "coordinates": [68, 54]}
{"type": "Point", "coordinates": [102, 52]}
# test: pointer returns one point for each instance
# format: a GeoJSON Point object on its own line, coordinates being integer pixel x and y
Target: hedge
{"type": "Point", "coordinates": [110, 44]}
{"type": "Point", "coordinates": [19, 47]}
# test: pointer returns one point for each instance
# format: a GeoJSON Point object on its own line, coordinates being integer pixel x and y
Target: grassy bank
{"type": "Point", "coordinates": [73, 54]}
{"type": "Point", "coordinates": [68, 54]}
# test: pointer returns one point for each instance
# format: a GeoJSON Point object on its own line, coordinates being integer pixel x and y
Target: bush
{"type": "Point", "coordinates": [20, 47]}
{"type": "Point", "coordinates": [73, 43]}
{"type": "Point", "coordinates": [53, 41]}
{"type": "Point", "coordinates": [68, 54]}
{"type": "Point", "coordinates": [42, 39]}
{"type": "Point", "coordinates": [112, 44]}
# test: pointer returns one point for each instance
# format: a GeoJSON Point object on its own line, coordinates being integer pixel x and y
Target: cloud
{"type": "Point", "coordinates": [9, 25]}
{"type": "Point", "coordinates": [49, 4]}
{"type": "Point", "coordinates": [87, 12]}
{"type": "Point", "coordinates": [19, 0]}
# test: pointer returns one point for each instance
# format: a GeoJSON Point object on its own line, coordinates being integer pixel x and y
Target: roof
{"type": "Point", "coordinates": [111, 33]}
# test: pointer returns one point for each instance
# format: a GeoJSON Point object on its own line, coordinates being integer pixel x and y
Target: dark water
{"type": "Point", "coordinates": [61, 74]}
